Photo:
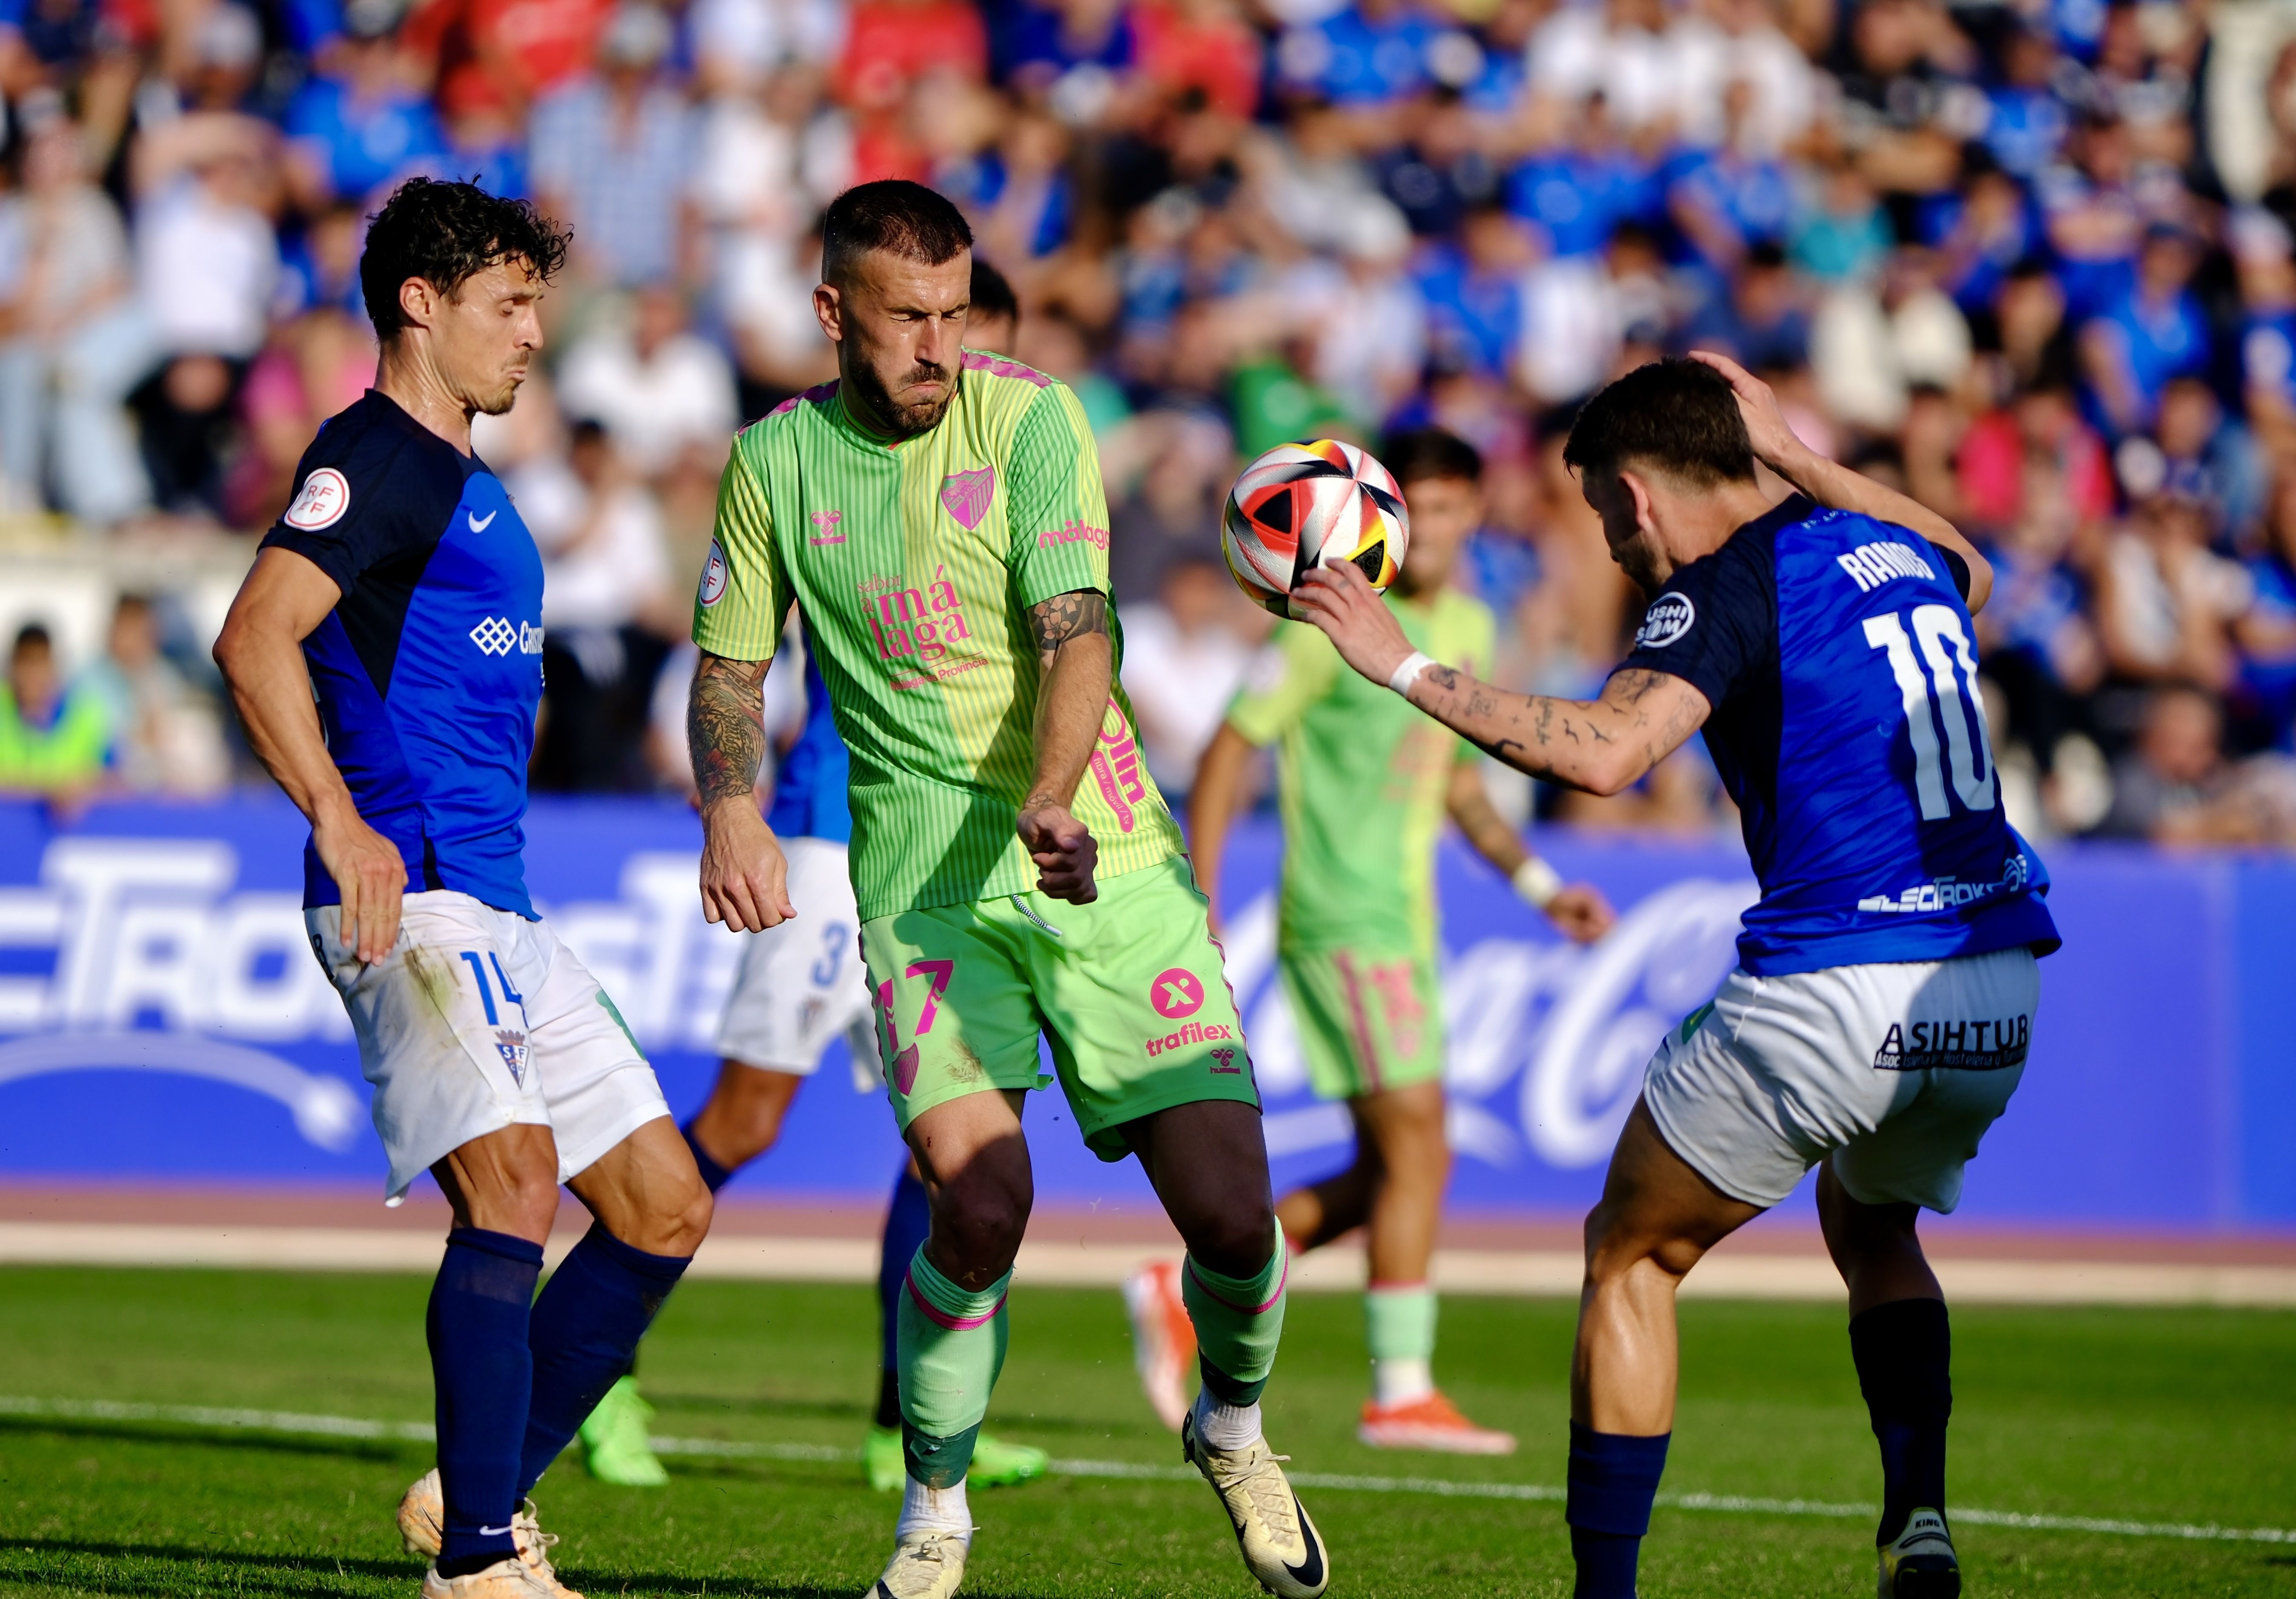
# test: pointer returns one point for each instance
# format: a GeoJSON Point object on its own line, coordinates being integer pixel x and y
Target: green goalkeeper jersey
{"type": "Point", "coordinates": [1362, 778]}
{"type": "Point", "coordinates": [915, 565]}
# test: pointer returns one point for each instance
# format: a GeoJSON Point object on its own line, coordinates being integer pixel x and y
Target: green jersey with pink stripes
{"type": "Point", "coordinates": [915, 565]}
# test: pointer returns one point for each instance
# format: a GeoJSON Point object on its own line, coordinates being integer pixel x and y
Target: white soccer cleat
{"type": "Point", "coordinates": [509, 1577]}
{"type": "Point", "coordinates": [1281, 1547]}
{"type": "Point", "coordinates": [925, 1565]}
{"type": "Point", "coordinates": [1429, 1423]}
{"type": "Point", "coordinates": [1164, 1341]}
{"type": "Point", "coordinates": [422, 1518]}
{"type": "Point", "coordinates": [1920, 1563]}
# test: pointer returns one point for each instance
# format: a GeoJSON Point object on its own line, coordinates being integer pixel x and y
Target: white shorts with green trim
{"type": "Point", "coordinates": [478, 1018]}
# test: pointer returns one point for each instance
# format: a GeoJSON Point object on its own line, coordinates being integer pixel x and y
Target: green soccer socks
{"type": "Point", "coordinates": [952, 1346]}
{"type": "Point", "coordinates": [1239, 1322]}
{"type": "Point", "coordinates": [1399, 1326]}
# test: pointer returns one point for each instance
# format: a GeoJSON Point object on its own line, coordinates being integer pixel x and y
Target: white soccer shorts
{"type": "Point", "coordinates": [802, 983]}
{"type": "Point", "coordinates": [479, 1018]}
{"type": "Point", "coordinates": [1895, 1069]}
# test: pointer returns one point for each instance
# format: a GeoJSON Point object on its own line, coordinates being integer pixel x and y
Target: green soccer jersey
{"type": "Point", "coordinates": [1362, 778]}
{"type": "Point", "coordinates": [915, 565]}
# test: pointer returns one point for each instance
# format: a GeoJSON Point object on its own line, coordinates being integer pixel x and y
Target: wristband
{"type": "Point", "coordinates": [1408, 672]}
{"type": "Point", "coordinates": [1536, 882]}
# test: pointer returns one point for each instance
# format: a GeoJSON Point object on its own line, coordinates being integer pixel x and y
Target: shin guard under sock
{"type": "Point", "coordinates": [1613, 1477]}
{"type": "Point", "coordinates": [952, 1345]}
{"type": "Point", "coordinates": [477, 1329]}
{"type": "Point", "coordinates": [907, 1219]}
{"type": "Point", "coordinates": [584, 1335]}
{"type": "Point", "coordinates": [1904, 1351]}
{"type": "Point", "coordinates": [1239, 1323]}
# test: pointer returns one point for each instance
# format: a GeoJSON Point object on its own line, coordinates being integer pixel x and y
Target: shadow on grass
{"type": "Point", "coordinates": [161, 1432]}
{"type": "Point", "coordinates": [180, 1569]}
{"type": "Point", "coordinates": [695, 1402]}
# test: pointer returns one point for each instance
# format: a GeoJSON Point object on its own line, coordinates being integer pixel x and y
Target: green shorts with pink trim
{"type": "Point", "coordinates": [1127, 990]}
{"type": "Point", "coordinates": [1368, 1019]}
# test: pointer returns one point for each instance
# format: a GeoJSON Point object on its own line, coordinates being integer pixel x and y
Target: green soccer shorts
{"type": "Point", "coordinates": [1127, 990]}
{"type": "Point", "coordinates": [1369, 1021]}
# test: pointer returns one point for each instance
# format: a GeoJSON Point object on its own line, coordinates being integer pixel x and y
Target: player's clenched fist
{"type": "Point", "coordinates": [744, 877]}
{"type": "Point", "coordinates": [1064, 851]}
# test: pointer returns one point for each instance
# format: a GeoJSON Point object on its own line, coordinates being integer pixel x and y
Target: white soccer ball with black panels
{"type": "Point", "coordinates": [1304, 506]}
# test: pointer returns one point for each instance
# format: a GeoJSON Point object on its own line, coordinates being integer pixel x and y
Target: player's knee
{"type": "Point", "coordinates": [1237, 1243]}
{"type": "Point", "coordinates": [981, 1211]}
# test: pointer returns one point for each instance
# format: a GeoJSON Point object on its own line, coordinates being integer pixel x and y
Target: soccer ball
{"type": "Point", "coordinates": [1304, 506]}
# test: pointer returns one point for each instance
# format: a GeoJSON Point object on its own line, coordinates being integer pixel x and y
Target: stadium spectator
{"type": "Point", "coordinates": [361, 124]}
{"type": "Point", "coordinates": [53, 742]}
{"type": "Point", "coordinates": [168, 734]}
{"type": "Point", "coordinates": [612, 152]}
{"type": "Point", "coordinates": [2175, 786]}
{"type": "Point", "coordinates": [662, 392]}
{"type": "Point", "coordinates": [1184, 652]}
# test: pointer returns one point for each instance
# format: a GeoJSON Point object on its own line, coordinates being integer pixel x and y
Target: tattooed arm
{"type": "Point", "coordinates": [1074, 654]}
{"type": "Point", "coordinates": [1602, 746]}
{"type": "Point", "coordinates": [744, 880]}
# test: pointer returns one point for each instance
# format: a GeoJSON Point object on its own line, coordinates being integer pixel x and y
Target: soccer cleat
{"type": "Point", "coordinates": [1920, 1563]}
{"type": "Point", "coordinates": [1164, 1341]}
{"type": "Point", "coordinates": [925, 1565]}
{"type": "Point", "coordinates": [423, 1514]}
{"type": "Point", "coordinates": [614, 1444]}
{"type": "Point", "coordinates": [1431, 1423]}
{"type": "Point", "coordinates": [509, 1577]}
{"type": "Point", "coordinates": [995, 1463]}
{"type": "Point", "coordinates": [1281, 1547]}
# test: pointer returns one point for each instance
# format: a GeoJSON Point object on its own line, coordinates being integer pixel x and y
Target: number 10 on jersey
{"type": "Point", "coordinates": [1957, 705]}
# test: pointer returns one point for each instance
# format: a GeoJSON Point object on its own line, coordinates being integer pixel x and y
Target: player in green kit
{"type": "Point", "coordinates": [1365, 791]}
{"type": "Point", "coordinates": [937, 516]}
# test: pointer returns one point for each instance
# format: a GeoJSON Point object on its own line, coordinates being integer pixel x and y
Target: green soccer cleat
{"type": "Point", "coordinates": [1919, 1563]}
{"type": "Point", "coordinates": [995, 1463]}
{"type": "Point", "coordinates": [614, 1444]}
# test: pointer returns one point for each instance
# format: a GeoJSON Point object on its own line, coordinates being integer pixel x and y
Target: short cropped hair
{"type": "Point", "coordinates": [894, 215]}
{"type": "Point", "coordinates": [992, 293]}
{"type": "Point", "coordinates": [1418, 454]}
{"type": "Point", "coordinates": [32, 636]}
{"type": "Point", "coordinates": [1677, 416]}
{"type": "Point", "coordinates": [446, 233]}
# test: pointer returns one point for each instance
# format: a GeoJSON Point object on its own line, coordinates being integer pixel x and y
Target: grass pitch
{"type": "Point", "coordinates": [2141, 1416]}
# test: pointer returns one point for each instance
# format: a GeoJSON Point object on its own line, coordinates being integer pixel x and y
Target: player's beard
{"type": "Point", "coordinates": [906, 421]}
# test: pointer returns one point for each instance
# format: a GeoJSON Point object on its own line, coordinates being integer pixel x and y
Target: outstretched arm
{"type": "Point", "coordinates": [261, 654]}
{"type": "Point", "coordinates": [1076, 658]}
{"type": "Point", "coordinates": [1579, 910]}
{"type": "Point", "coordinates": [1602, 746]}
{"type": "Point", "coordinates": [1213, 800]}
{"type": "Point", "coordinates": [744, 878]}
{"type": "Point", "coordinates": [1832, 484]}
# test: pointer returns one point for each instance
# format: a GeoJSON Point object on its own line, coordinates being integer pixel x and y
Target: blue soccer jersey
{"type": "Point", "coordinates": [809, 790]}
{"type": "Point", "coordinates": [1836, 651]}
{"type": "Point", "coordinates": [429, 669]}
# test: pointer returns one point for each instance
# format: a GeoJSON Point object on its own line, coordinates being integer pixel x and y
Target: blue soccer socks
{"type": "Point", "coordinates": [907, 1220]}
{"type": "Point", "coordinates": [1904, 1352]}
{"type": "Point", "coordinates": [477, 1327]}
{"type": "Point", "coordinates": [585, 1331]}
{"type": "Point", "coordinates": [1613, 1478]}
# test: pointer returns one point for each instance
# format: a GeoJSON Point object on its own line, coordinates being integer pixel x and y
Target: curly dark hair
{"type": "Point", "coordinates": [1677, 415]}
{"type": "Point", "coordinates": [446, 233]}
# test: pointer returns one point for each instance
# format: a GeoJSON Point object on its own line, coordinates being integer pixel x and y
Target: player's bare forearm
{"type": "Point", "coordinates": [724, 728]}
{"type": "Point", "coordinates": [259, 651]}
{"type": "Point", "coordinates": [1833, 485]}
{"type": "Point", "coordinates": [744, 876]}
{"type": "Point", "coordinates": [1074, 653]}
{"type": "Point", "coordinates": [1602, 746]}
{"type": "Point", "coordinates": [1479, 821]}
{"type": "Point", "coordinates": [1213, 800]}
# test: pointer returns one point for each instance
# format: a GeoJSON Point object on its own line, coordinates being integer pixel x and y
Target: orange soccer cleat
{"type": "Point", "coordinates": [1164, 1341]}
{"type": "Point", "coordinates": [1430, 1423]}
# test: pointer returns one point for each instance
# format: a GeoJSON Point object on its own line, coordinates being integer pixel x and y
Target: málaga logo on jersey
{"type": "Point", "coordinates": [326, 497]}
{"type": "Point", "coordinates": [713, 576]}
{"type": "Point", "coordinates": [966, 495]}
{"type": "Point", "coordinates": [1668, 617]}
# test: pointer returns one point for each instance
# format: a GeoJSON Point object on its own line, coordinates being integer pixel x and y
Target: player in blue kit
{"type": "Point", "coordinates": [1883, 1007]}
{"type": "Point", "coordinates": [385, 656]}
{"type": "Point", "coordinates": [799, 986]}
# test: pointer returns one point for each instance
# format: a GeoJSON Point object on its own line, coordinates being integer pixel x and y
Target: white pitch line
{"type": "Point", "coordinates": [295, 1423]}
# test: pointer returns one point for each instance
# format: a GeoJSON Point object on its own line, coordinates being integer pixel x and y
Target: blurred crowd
{"type": "Point", "coordinates": [1988, 251]}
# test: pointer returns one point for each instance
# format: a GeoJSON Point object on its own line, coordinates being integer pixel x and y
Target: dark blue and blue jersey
{"type": "Point", "coordinates": [1836, 653]}
{"type": "Point", "coordinates": [429, 669]}
{"type": "Point", "coordinates": [809, 791]}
